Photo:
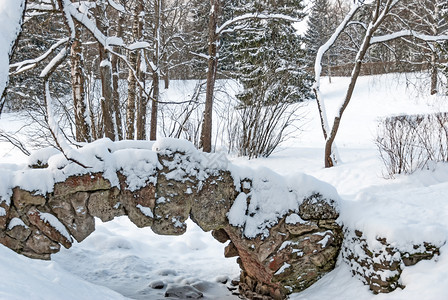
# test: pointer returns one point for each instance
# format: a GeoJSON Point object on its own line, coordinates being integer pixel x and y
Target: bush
{"type": "Point", "coordinates": [411, 142]}
{"type": "Point", "coordinates": [261, 128]}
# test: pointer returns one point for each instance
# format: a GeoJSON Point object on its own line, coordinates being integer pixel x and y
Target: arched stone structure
{"type": "Point", "coordinates": [283, 230]}
{"type": "Point", "coordinates": [280, 251]}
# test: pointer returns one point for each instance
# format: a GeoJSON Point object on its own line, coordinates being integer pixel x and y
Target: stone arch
{"type": "Point", "coordinates": [288, 252]}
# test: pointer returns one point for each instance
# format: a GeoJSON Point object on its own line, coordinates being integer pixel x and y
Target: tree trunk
{"type": "Point", "coordinates": [115, 79]}
{"type": "Point", "coordinates": [141, 111]}
{"type": "Point", "coordinates": [108, 116]}
{"type": "Point", "coordinates": [377, 19]}
{"type": "Point", "coordinates": [213, 39]}
{"type": "Point", "coordinates": [156, 73]}
{"type": "Point", "coordinates": [434, 73]}
{"type": "Point", "coordinates": [154, 107]}
{"type": "Point", "coordinates": [132, 81]}
{"type": "Point", "coordinates": [83, 133]}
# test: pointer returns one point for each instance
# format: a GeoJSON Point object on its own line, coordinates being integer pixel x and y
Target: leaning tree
{"type": "Point", "coordinates": [371, 17]}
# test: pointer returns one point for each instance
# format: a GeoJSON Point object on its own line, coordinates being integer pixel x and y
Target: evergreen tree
{"type": "Point", "coordinates": [319, 30]}
{"type": "Point", "coordinates": [268, 59]}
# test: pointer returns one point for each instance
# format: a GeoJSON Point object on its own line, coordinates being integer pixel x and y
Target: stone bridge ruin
{"type": "Point", "coordinates": [284, 230]}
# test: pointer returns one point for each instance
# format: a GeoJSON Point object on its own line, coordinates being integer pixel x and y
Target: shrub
{"type": "Point", "coordinates": [411, 142]}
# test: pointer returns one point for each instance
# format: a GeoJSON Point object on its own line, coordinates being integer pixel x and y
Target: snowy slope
{"type": "Point", "coordinates": [408, 209]}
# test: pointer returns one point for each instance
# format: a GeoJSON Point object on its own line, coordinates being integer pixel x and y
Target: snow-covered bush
{"type": "Point", "coordinates": [411, 142]}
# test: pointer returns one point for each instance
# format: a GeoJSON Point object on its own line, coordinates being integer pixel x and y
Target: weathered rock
{"type": "Point", "coordinates": [422, 252]}
{"type": "Point", "coordinates": [31, 254]}
{"type": "Point", "coordinates": [301, 228]}
{"type": "Point", "coordinates": [292, 252]}
{"type": "Point", "coordinates": [4, 212]}
{"type": "Point", "coordinates": [83, 183]}
{"type": "Point", "coordinates": [290, 259]}
{"type": "Point", "coordinates": [220, 235]}
{"type": "Point", "coordinates": [23, 199]}
{"type": "Point", "coordinates": [18, 230]}
{"type": "Point", "coordinates": [230, 250]}
{"type": "Point", "coordinates": [316, 207]}
{"type": "Point", "coordinates": [10, 242]}
{"type": "Point", "coordinates": [210, 206]}
{"type": "Point", "coordinates": [40, 245]}
{"type": "Point", "coordinates": [380, 267]}
{"type": "Point", "coordinates": [174, 196]}
{"type": "Point", "coordinates": [105, 205]}
{"type": "Point", "coordinates": [139, 205]}
{"type": "Point", "coordinates": [56, 231]}
{"type": "Point", "coordinates": [182, 292]}
{"type": "Point", "coordinates": [72, 211]}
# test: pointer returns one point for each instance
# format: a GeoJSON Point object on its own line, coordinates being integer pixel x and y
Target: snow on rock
{"type": "Point", "coordinates": [16, 222]}
{"type": "Point", "coordinates": [165, 187]}
{"type": "Point", "coordinates": [380, 266]}
{"type": "Point", "coordinates": [282, 268]}
{"type": "Point", "coordinates": [237, 213]}
{"type": "Point", "coordinates": [294, 219]}
{"type": "Point", "coordinates": [169, 145]}
{"type": "Point", "coordinates": [55, 223]}
{"type": "Point", "coordinates": [146, 211]}
{"type": "Point", "coordinates": [39, 158]}
{"type": "Point", "coordinates": [272, 196]}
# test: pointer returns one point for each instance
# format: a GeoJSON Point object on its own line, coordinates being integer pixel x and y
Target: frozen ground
{"type": "Point", "coordinates": [409, 209]}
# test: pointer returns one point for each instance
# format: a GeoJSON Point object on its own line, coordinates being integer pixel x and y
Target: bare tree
{"type": "Point", "coordinates": [83, 132]}
{"type": "Point", "coordinates": [377, 11]}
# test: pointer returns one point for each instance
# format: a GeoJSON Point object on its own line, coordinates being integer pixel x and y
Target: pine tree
{"type": "Point", "coordinates": [268, 57]}
{"type": "Point", "coordinates": [318, 31]}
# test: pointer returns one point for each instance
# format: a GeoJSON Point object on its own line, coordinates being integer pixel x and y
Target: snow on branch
{"type": "Point", "coordinates": [69, 152]}
{"type": "Point", "coordinates": [258, 16]}
{"type": "Point", "coordinates": [318, 66]}
{"type": "Point", "coordinates": [84, 19]}
{"type": "Point", "coordinates": [408, 33]}
{"type": "Point", "coordinates": [31, 63]}
{"type": "Point", "coordinates": [116, 6]}
{"type": "Point", "coordinates": [54, 63]}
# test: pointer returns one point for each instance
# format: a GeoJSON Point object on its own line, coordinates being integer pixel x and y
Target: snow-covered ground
{"type": "Point", "coordinates": [406, 210]}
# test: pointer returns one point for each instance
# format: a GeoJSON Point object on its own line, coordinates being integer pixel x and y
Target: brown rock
{"type": "Point", "coordinates": [300, 229]}
{"type": "Point", "coordinates": [22, 199]}
{"type": "Point", "coordinates": [230, 250]}
{"type": "Point", "coordinates": [211, 204]}
{"type": "Point", "coordinates": [139, 204]}
{"type": "Point", "coordinates": [37, 219]}
{"type": "Point", "coordinates": [220, 235]}
{"type": "Point", "coordinates": [4, 212]}
{"type": "Point", "coordinates": [82, 183]}
{"type": "Point", "coordinates": [31, 254]}
{"type": "Point", "coordinates": [10, 242]}
{"type": "Point", "coordinates": [372, 265]}
{"type": "Point", "coordinates": [105, 205]}
{"type": "Point", "coordinates": [40, 244]}
{"type": "Point", "coordinates": [71, 210]}
{"type": "Point", "coordinates": [174, 199]}
{"type": "Point", "coordinates": [18, 232]}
